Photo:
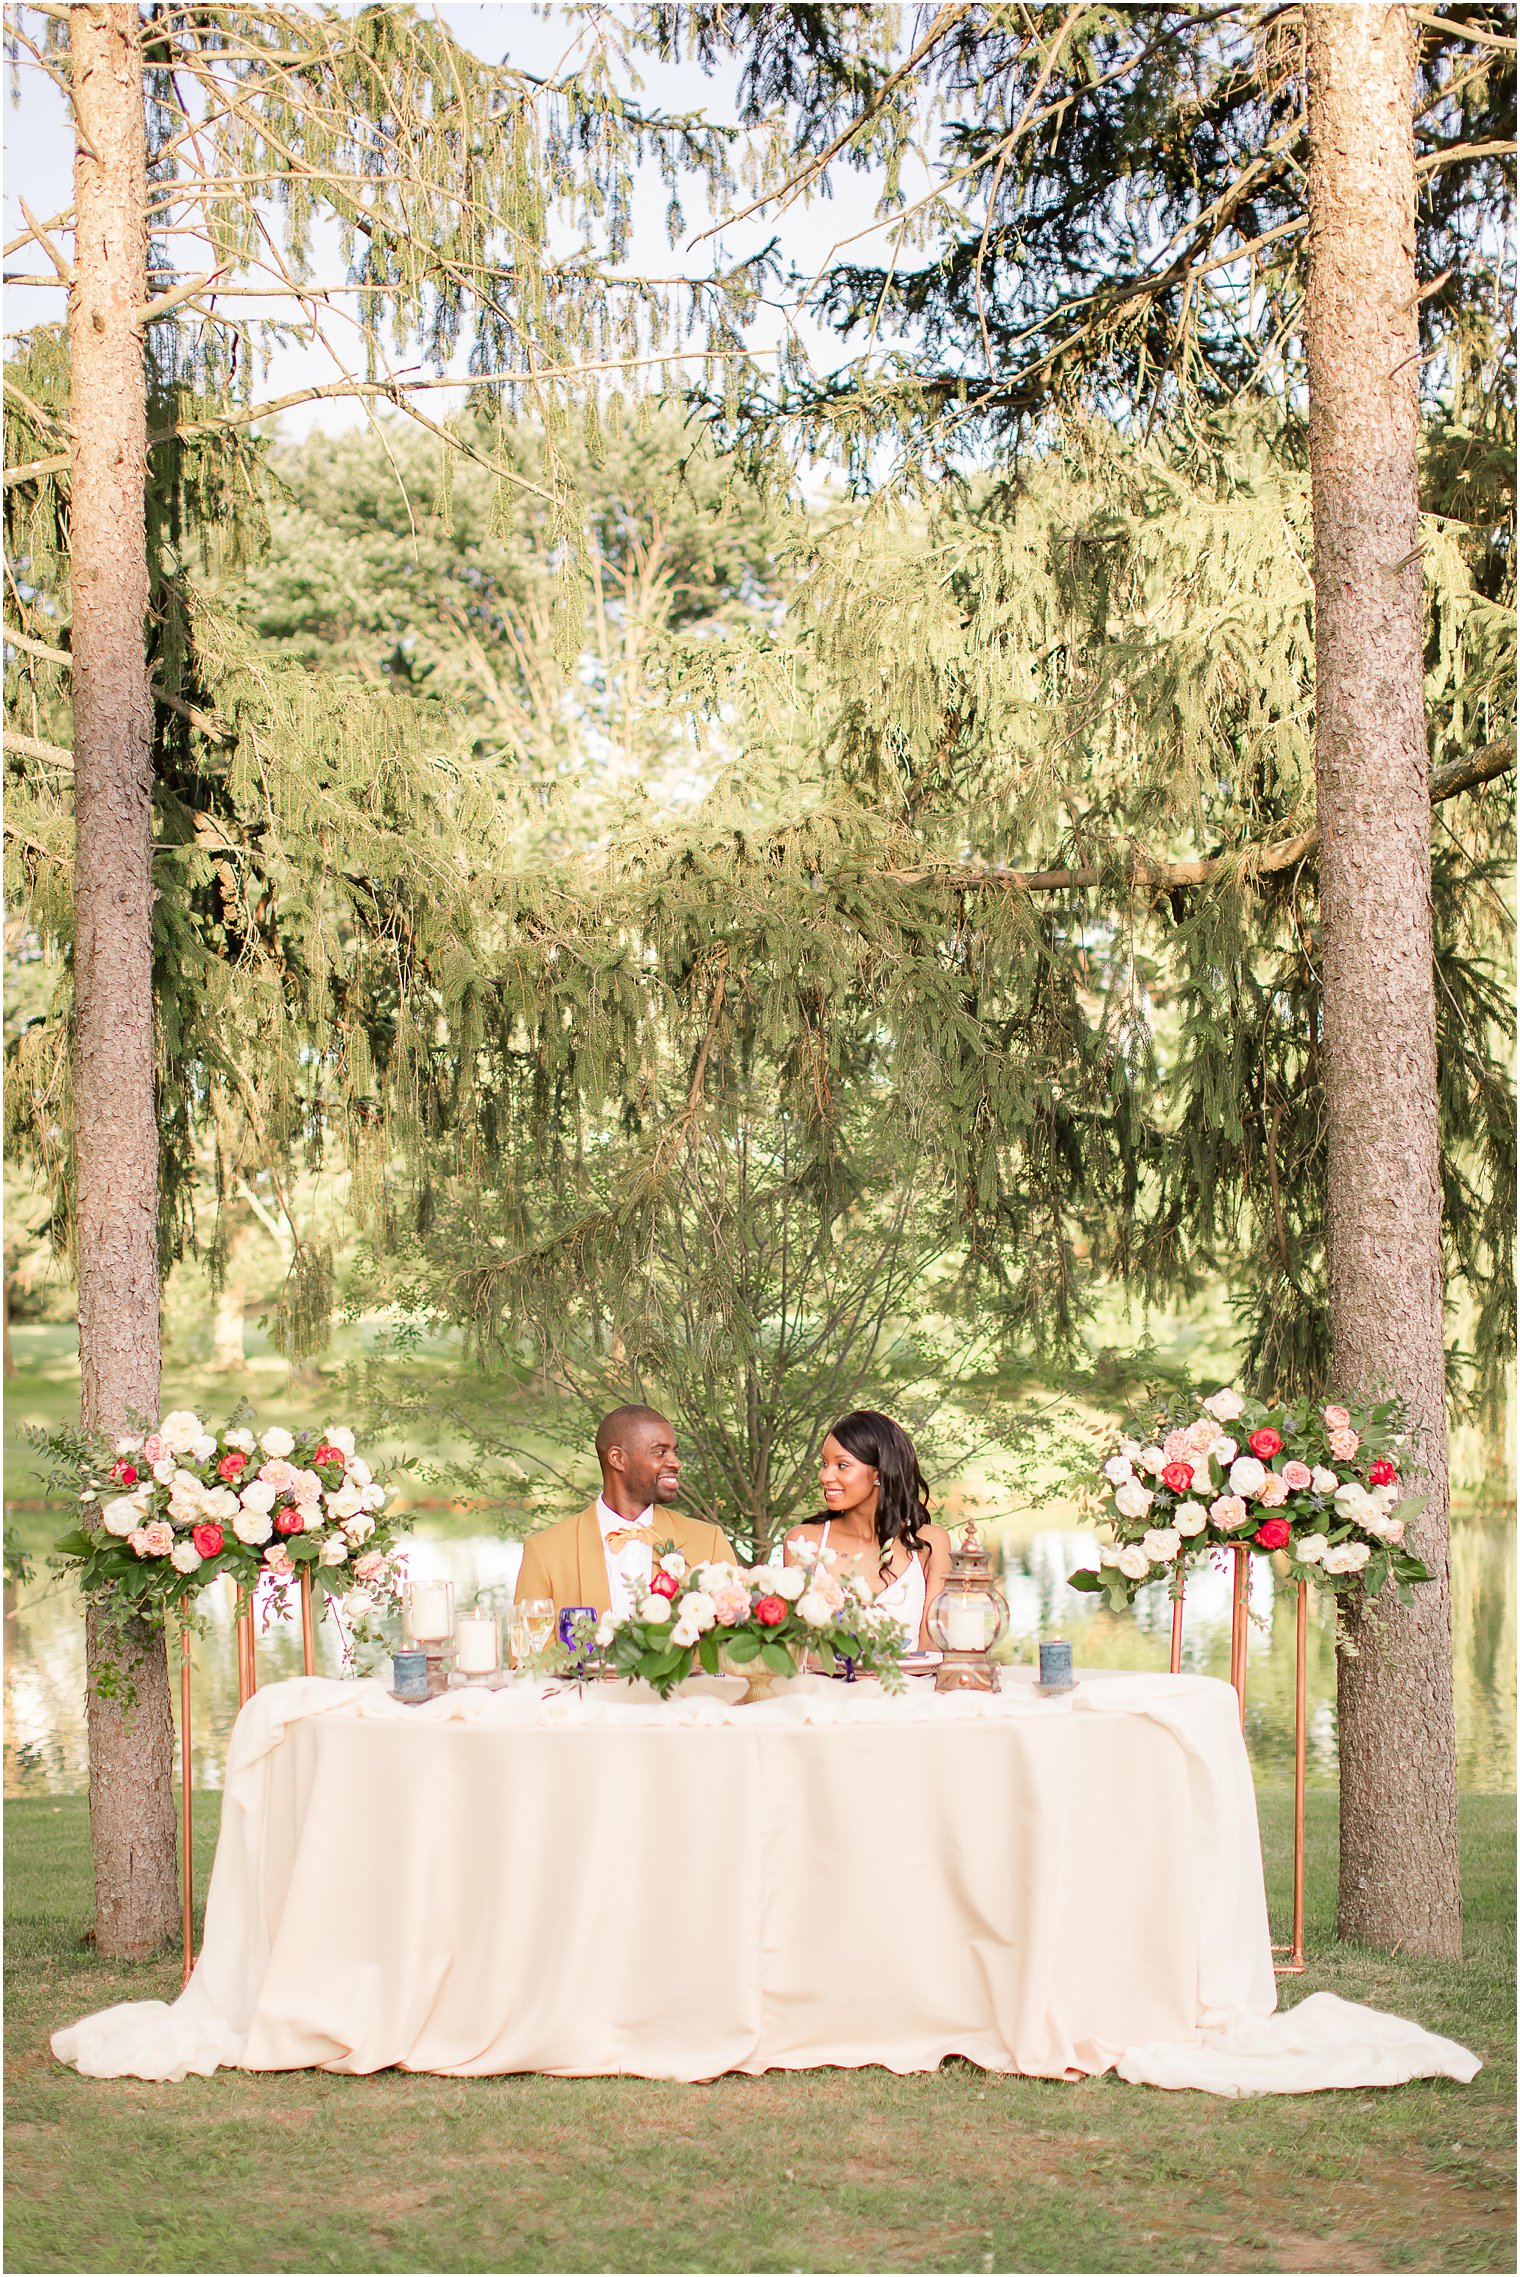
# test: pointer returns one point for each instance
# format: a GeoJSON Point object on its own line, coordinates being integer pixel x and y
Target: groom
{"type": "Point", "coordinates": [605, 1557]}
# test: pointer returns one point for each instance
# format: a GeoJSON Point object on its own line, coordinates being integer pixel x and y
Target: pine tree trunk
{"type": "Point", "coordinates": [1398, 1871]}
{"type": "Point", "coordinates": [116, 1138]}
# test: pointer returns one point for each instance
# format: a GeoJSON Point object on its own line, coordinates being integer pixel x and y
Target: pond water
{"type": "Point", "coordinates": [44, 1658]}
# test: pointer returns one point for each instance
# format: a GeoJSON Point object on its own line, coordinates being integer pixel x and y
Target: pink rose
{"type": "Point", "coordinates": [1336, 1418]}
{"type": "Point", "coordinates": [156, 1448]}
{"type": "Point", "coordinates": [371, 1564]}
{"type": "Point", "coordinates": [160, 1538]}
{"type": "Point", "coordinates": [278, 1560]}
{"type": "Point", "coordinates": [1343, 1445]}
{"type": "Point", "coordinates": [1228, 1512]}
{"type": "Point", "coordinates": [1177, 1446]}
{"type": "Point", "coordinates": [1296, 1476]}
{"type": "Point", "coordinates": [1199, 1436]}
{"type": "Point", "coordinates": [306, 1486]}
{"type": "Point", "coordinates": [1274, 1492]}
{"type": "Point", "coordinates": [278, 1474]}
{"type": "Point", "coordinates": [731, 1606]}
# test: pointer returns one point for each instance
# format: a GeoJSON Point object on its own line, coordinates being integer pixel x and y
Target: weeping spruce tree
{"type": "Point", "coordinates": [253, 875]}
{"type": "Point", "coordinates": [1048, 275]}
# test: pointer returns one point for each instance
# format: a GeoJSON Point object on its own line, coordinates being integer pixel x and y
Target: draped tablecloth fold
{"type": "Point", "coordinates": [597, 1882]}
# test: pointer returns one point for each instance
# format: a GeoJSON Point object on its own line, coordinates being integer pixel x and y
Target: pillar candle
{"type": "Point", "coordinates": [1055, 1663]}
{"type": "Point", "coordinates": [477, 1654]}
{"type": "Point", "coordinates": [430, 1613]}
{"type": "Point", "coordinates": [965, 1624]}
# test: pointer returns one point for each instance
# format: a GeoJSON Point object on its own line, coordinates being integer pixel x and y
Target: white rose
{"type": "Point", "coordinates": [1323, 1481]}
{"type": "Point", "coordinates": [1247, 1476]}
{"type": "Point", "coordinates": [1133, 1500]}
{"type": "Point", "coordinates": [1386, 1498]}
{"type": "Point", "coordinates": [257, 1495]}
{"type": "Point", "coordinates": [334, 1551]}
{"type": "Point", "coordinates": [358, 1602]}
{"type": "Point", "coordinates": [698, 1610]}
{"type": "Point", "coordinates": [1129, 1448]}
{"type": "Point", "coordinates": [1118, 1470]}
{"type": "Point", "coordinates": [1350, 1499]}
{"type": "Point", "coordinates": [1190, 1517]}
{"type": "Point", "coordinates": [121, 1516]}
{"type": "Point", "coordinates": [1310, 1548]}
{"type": "Point", "coordinates": [180, 1430]}
{"type": "Point", "coordinates": [185, 1557]}
{"type": "Point", "coordinates": [186, 1483]}
{"type": "Point", "coordinates": [1346, 1557]}
{"type": "Point", "coordinates": [358, 1472]}
{"type": "Point", "coordinates": [606, 1630]}
{"type": "Point", "coordinates": [765, 1580]}
{"type": "Point", "coordinates": [243, 1439]}
{"type": "Point", "coordinates": [203, 1448]}
{"type": "Point", "coordinates": [164, 1470]}
{"type": "Point", "coordinates": [792, 1583]}
{"type": "Point", "coordinates": [252, 1527]}
{"type": "Point", "coordinates": [277, 1442]}
{"type": "Point", "coordinates": [1224, 1452]}
{"type": "Point", "coordinates": [1161, 1544]}
{"type": "Point", "coordinates": [336, 1435]}
{"type": "Point", "coordinates": [683, 1633]}
{"type": "Point", "coordinates": [1152, 1460]}
{"type": "Point", "coordinates": [814, 1608]}
{"type": "Point", "coordinates": [1133, 1562]}
{"type": "Point", "coordinates": [1224, 1406]}
{"type": "Point", "coordinates": [1109, 1554]}
{"type": "Point", "coordinates": [127, 1446]}
{"type": "Point", "coordinates": [359, 1528]}
{"type": "Point", "coordinates": [346, 1503]}
{"type": "Point", "coordinates": [1372, 1521]}
{"type": "Point", "coordinates": [372, 1497]}
{"type": "Point", "coordinates": [183, 1512]}
{"type": "Point", "coordinates": [655, 1608]}
{"type": "Point", "coordinates": [220, 1503]}
{"type": "Point", "coordinates": [673, 1563]}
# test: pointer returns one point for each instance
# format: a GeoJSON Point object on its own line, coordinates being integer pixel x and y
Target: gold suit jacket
{"type": "Point", "coordinates": [566, 1561]}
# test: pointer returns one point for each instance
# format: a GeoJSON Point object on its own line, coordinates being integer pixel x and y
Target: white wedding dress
{"type": "Point", "coordinates": [904, 1596]}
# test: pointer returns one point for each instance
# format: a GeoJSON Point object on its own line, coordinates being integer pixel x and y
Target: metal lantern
{"type": "Point", "coordinates": [967, 1619]}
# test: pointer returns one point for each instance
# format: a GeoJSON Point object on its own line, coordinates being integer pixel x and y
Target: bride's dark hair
{"type": "Point", "coordinates": [902, 1498]}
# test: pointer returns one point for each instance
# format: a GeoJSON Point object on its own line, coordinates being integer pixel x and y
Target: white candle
{"type": "Point", "coordinates": [477, 1645]}
{"type": "Point", "coordinates": [965, 1625]}
{"type": "Point", "coordinates": [430, 1611]}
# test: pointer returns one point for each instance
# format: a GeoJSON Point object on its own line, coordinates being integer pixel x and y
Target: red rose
{"type": "Point", "coordinates": [1273, 1535]}
{"type": "Point", "coordinates": [232, 1465]}
{"type": "Point", "coordinates": [665, 1585]}
{"type": "Point", "coordinates": [1178, 1476]}
{"type": "Point", "coordinates": [208, 1539]}
{"type": "Point", "coordinates": [288, 1520]}
{"type": "Point", "coordinates": [124, 1473]}
{"type": "Point", "coordinates": [1265, 1443]}
{"type": "Point", "coordinates": [326, 1454]}
{"type": "Point", "coordinates": [770, 1612]}
{"type": "Point", "coordinates": [1383, 1474]}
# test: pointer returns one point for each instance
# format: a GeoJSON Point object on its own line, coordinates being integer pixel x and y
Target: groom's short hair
{"type": "Point", "coordinates": [609, 1432]}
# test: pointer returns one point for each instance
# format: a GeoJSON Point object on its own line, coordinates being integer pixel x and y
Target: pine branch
{"type": "Point", "coordinates": [1495, 759]}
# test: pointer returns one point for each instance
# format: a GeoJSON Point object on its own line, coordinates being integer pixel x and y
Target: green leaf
{"type": "Point", "coordinates": [74, 1545]}
{"type": "Point", "coordinates": [707, 1653]}
{"type": "Point", "coordinates": [1088, 1583]}
{"type": "Point", "coordinates": [742, 1646]}
{"type": "Point", "coordinates": [777, 1657]}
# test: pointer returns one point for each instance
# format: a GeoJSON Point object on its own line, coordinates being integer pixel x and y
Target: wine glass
{"type": "Point", "coordinates": [538, 1619]}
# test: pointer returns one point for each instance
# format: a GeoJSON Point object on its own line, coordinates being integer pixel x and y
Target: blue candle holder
{"type": "Point", "coordinates": [1055, 1667]}
{"type": "Point", "coordinates": [409, 1674]}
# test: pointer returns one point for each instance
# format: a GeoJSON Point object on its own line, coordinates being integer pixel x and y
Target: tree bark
{"type": "Point", "coordinates": [131, 1730]}
{"type": "Point", "coordinates": [1399, 1881]}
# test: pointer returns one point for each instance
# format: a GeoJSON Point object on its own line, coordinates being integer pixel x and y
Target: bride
{"type": "Point", "coordinates": [876, 1520]}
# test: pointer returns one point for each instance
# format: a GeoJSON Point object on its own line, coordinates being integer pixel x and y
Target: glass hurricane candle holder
{"type": "Point", "coordinates": [430, 1625]}
{"type": "Point", "coordinates": [967, 1618]}
{"type": "Point", "coordinates": [477, 1645]}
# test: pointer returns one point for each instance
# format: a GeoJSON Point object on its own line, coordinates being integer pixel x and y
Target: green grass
{"type": "Point", "coordinates": [826, 2170]}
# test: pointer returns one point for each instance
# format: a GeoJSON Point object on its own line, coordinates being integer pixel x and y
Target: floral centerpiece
{"type": "Point", "coordinates": [760, 1619]}
{"type": "Point", "coordinates": [1318, 1484]}
{"type": "Point", "coordinates": [164, 1512]}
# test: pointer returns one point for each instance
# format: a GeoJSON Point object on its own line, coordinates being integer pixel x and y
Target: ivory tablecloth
{"type": "Point", "coordinates": [599, 1882]}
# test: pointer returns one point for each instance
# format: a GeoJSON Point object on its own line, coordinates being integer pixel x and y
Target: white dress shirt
{"type": "Point", "coordinates": [629, 1567]}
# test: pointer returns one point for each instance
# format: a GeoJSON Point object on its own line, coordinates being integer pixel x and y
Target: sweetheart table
{"type": "Point", "coordinates": [586, 1881]}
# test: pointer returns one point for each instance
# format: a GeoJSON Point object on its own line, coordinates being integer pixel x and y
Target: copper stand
{"type": "Point", "coordinates": [308, 1638]}
{"type": "Point", "coordinates": [1293, 1966]}
{"type": "Point", "coordinates": [186, 1813]}
{"type": "Point", "coordinates": [248, 1672]}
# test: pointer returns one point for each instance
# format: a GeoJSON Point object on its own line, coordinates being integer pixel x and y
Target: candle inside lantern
{"type": "Point", "coordinates": [478, 1651]}
{"type": "Point", "coordinates": [431, 1611]}
{"type": "Point", "coordinates": [965, 1624]}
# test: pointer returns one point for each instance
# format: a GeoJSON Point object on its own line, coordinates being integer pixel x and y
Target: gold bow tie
{"type": "Point", "coordinates": [614, 1541]}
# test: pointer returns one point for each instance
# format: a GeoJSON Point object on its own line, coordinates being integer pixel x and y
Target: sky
{"type": "Point", "coordinates": [39, 161]}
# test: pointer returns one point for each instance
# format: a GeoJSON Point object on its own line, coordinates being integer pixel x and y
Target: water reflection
{"type": "Point", "coordinates": [44, 1663]}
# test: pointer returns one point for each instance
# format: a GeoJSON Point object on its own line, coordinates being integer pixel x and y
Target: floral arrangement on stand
{"type": "Point", "coordinates": [1318, 1484]}
{"type": "Point", "coordinates": [166, 1511]}
{"type": "Point", "coordinates": [770, 1615]}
